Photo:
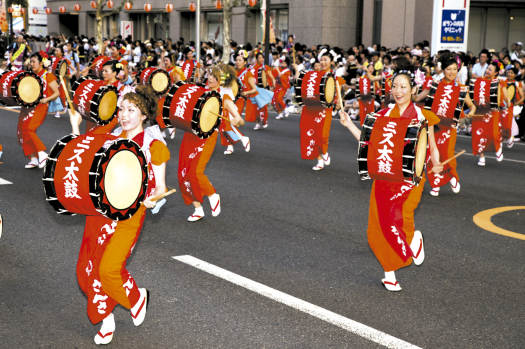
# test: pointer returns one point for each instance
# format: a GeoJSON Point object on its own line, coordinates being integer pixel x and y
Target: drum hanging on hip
{"type": "Point", "coordinates": [98, 175]}
{"type": "Point", "coordinates": [158, 79]}
{"type": "Point", "coordinates": [59, 66]}
{"type": "Point", "coordinates": [21, 88]}
{"type": "Point", "coordinates": [392, 149]}
{"type": "Point", "coordinates": [95, 101]}
{"type": "Point", "coordinates": [262, 79]}
{"type": "Point", "coordinates": [192, 109]}
{"type": "Point", "coordinates": [98, 65]}
{"type": "Point", "coordinates": [315, 89]}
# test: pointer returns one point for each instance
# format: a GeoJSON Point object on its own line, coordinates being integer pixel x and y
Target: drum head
{"type": "Point", "coordinates": [28, 89]}
{"type": "Point", "coordinates": [62, 69]}
{"type": "Point", "coordinates": [235, 88]}
{"type": "Point", "coordinates": [329, 90]}
{"type": "Point", "coordinates": [421, 152]}
{"type": "Point", "coordinates": [511, 91]}
{"type": "Point", "coordinates": [207, 119]}
{"type": "Point", "coordinates": [108, 104]}
{"type": "Point", "coordinates": [159, 82]}
{"type": "Point", "coordinates": [123, 179]}
{"type": "Point", "coordinates": [264, 78]}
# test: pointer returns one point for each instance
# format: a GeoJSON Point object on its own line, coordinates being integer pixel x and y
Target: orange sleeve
{"type": "Point", "coordinates": [124, 62]}
{"type": "Point", "coordinates": [285, 80]}
{"type": "Point", "coordinates": [104, 130]}
{"type": "Point", "coordinates": [341, 81]}
{"type": "Point", "coordinates": [431, 117]}
{"type": "Point", "coordinates": [50, 77]}
{"type": "Point", "coordinates": [503, 83]}
{"type": "Point", "coordinates": [159, 153]}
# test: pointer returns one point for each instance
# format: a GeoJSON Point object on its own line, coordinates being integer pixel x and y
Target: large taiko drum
{"type": "Point", "coordinates": [98, 65]}
{"type": "Point", "coordinates": [494, 99]}
{"type": "Point", "coordinates": [451, 114]}
{"type": "Point", "coordinates": [158, 79]}
{"type": "Point", "coordinates": [94, 100]}
{"type": "Point", "coordinates": [97, 175]}
{"type": "Point", "coordinates": [21, 88]}
{"type": "Point", "coordinates": [193, 109]}
{"type": "Point", "coordinates": [392, 149]}
{"type": "Point", "coordinates": [315, 88]}
{"type": "Point", "coordinates": [262, 78]}
{"type": "Point", "coordinates": [59, 66]}
{"type": "Point", "coordinates": [237, 89]}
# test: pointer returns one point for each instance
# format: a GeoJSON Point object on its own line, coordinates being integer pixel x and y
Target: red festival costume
{"type": "Point", "coordinates": [253, 113]}
{"type": "Point", "coordinates": [486, 135]}
{"type": "Point", "coordinates": [227, 126]}
{"type": "Point", "coordinates": [244, 75]}
{"type": "Point", "coordinates": [30, 119]}
{"type": "Point", "coordinates": [282, 85]}
{"type": "Point", "coordinates": [392, 203]}
{"type": "Point", "coordinates": [188, 67]}
{"type": "Point", "coordinates": [366, 98]}
{"type": "Point", "coordinates": [106, 246]}
{"type": "Point", "coordinates": [446, 105]}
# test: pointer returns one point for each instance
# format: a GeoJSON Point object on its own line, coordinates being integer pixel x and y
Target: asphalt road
{"type": "Point", "coordinates": [282, 225]}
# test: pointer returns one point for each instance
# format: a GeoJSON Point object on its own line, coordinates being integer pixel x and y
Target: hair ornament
{"type": "Point", "coordinates": [125, 90]}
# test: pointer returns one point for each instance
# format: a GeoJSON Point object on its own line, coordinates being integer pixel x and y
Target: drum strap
{"type": "Point", "coordinates": [18, 53]}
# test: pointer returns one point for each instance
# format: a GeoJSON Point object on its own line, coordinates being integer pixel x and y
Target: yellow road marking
{"type": "Point", "coordinates": [482, 220]}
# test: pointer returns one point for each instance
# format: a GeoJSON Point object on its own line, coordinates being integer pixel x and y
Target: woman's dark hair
{"type": "Point", "coordinates": [145, 99]}
{"type": "Point", "coordinates": [113, 65]}
{"type": "Point", "coordinates": [447, 59]}
{"type": "Point", "coordinates": [259, 54]}
{"type": "Point", "coordinates": [40, 56]}
{"type": "Point", "coordinates": [60, 47]}
{"type": "Point", "coordinates": [388, 57]}
{"type": "Point", "coordinates": [406, 69]}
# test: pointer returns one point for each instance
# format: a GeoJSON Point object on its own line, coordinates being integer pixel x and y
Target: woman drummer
{"type": "Point", "coordinates": [225, 75]}
{"type": "Point", "coordinates": [71, 71]}
{"type": "Point", "coordinates": [486, 134]}
{"type": "Point", "coordinates": [253, 112]}
{"type": "Point", "coordinates": [110, 72]}
{"type": "Point", "coordinates": [445, 101]}
{"type": "Point", "coordinates": [308, 123]}
{"type": "Point", "coordinates": [107, 244]}
{"type": "Point", "coordinates": [282, 75]}
{"type": "Point", "coordinates": [30, 119]}
{"type": "Point", "coordinates": [190, 66]}
{"type": "Point", "coordinates": [392, 204]}
{"type": "Point", "coordinates": [117, 49]}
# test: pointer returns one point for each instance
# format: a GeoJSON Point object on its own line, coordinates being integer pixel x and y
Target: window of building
{"type": "Point", "coordinates": [495, 27]}
{"type": "Point", "coordinates": [279, 22]}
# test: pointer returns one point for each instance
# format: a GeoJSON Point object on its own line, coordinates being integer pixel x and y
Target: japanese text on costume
{"type": "Point", "coordinates": [384, 159]}
{"type": "Point", "coordinates": [83, 98]}
{"type": "Point", "coordinates": [310, 87]}
{"type": "Point", "coordinates": [180, 109]}
{"type": "Point", "coordinates": [445, 100]}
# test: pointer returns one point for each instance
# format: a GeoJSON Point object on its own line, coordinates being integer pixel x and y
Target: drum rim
{"type": "Point", "coordinates": [14, 86]}
{"type": "Point", "coordinates": [297, 89]}
{"type": "Point", "coordinates": [1, 75]}
{"type": "Point", "coordinates": [96, 178]}
{"type": "Point", "coordinates": [240, 90]}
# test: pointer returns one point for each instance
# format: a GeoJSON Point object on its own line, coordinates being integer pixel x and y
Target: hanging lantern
{"type": "Point", "coordinates": [48, 10]}
{"type": "Point", "coordinates": [94, 4]}
{"type": "Point", "coordinates": [110, 4]}
{"type": "Point", "coordinates": [77, 7]}
{"type": "Point", "coordinates": [23, 11]}
{"type": "Point", "coordinates": [128, 5]}
{"type": "Point", "coordinates": [193, 7]}
{"type": "Point", "coordinates": [169, 7]}
{"type": "Point", "coordinates": [147, 7]}
{"type": "Point", "coordinates": [62, 9]}
{"type": "Point", "coordinates": [218, 4]}
{"type": "Point", "coordinates": [252, 3]}
{"type": "Point", "coordinates": [35, 10]}
{"type": "Point", "coordinates": [10, 9]}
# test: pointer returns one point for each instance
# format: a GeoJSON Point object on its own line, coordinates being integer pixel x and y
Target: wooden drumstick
{"type": "Point", "coordinates": [452, 158]}
{"type": "Point", "coordinates": [339, 94]}
{"type": "Point", "coordinates": [67, 94]}
{"type": "Point", "coordinates": [162, 196]}
{"type": "Point", "coordinates": [219, 115]}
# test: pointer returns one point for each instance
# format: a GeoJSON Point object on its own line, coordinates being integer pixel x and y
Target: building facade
{"type": "Point", "coordinates": [311, 21]}
{"type": "Point", "coordinates": [344, 23]}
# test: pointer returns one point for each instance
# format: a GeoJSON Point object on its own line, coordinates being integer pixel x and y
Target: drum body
{"type": "Point", "coordinates": [95, 101]}
{"type": "Point", "coordinates": [237, 89]}
{"type": "Point", "coordinates": [450, 115]}
{"type": "Point", "coordinates": [59, 66]}
{"type": "Point", "coordinates": [315, 89]}
{"type": "Point", "coordinates": [98, 65]}
{"type": "Point", "coordinates": [494, 99]}
{"type": "Point", "coordinates": [98, 175]}
{"type": "Point", "coordinates": [158, 79]}
{"type": "Point", "coordinates": [21, 88]}
{"type": "Point", "coordinates": [262, 79]}
{"type": "Point", "coordinates": [401, 145]}
{"type": "Point", "coordinates": [192, 109]}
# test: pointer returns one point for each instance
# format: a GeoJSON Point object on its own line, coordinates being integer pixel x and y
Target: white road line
{"type": "Point", "coordinates": [318, 312]}
{"type": "Point", "coordinates": [504, 158]}
{"type": "Point", "coordinates": [3, 181]}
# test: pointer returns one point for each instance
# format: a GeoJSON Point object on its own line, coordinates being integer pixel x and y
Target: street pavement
{"type": "Point", "coordinates": [284, 226]}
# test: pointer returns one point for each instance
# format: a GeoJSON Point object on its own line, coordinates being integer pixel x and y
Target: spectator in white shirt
{"type": "Point", "coordinates": [478, 71]}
